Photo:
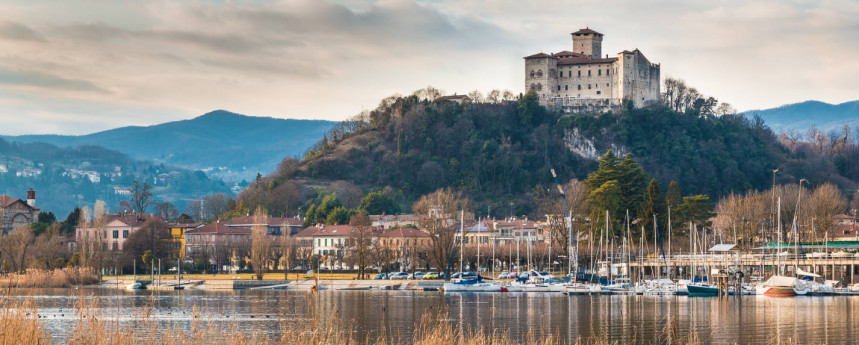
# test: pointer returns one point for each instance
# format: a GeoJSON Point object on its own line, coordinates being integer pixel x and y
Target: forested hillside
{"type": "Point", "coordinates": [498, 152]}
{"type": "Point", "coordinates": [65, 178]}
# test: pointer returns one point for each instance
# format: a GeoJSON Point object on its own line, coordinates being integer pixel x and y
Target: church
{"type": "Point", "coordinates": [16, 213]}
{"type": "Point", "coordinates": [583, 79]}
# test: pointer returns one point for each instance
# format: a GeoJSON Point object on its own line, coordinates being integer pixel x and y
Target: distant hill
{"type": "Point", "coordinates": [801, 116]}
{"type": "Point", "coordinates": [65, 178]}
{"type": "Point", "coordinates": [244, 145]}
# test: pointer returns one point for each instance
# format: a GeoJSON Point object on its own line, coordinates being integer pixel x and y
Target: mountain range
{"type": "Point", "coordinates": [223, 144]}
{"type": "Point", "coordinates": [800, 116]}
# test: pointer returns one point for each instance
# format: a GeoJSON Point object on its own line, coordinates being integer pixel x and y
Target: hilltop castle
{"type": "Point", "coordinates": [583, 80]}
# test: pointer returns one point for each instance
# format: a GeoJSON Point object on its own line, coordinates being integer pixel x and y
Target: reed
{"type": "Point", "coordinates": [36, 278]}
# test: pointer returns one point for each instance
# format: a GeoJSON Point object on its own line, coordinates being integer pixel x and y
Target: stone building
{"type": "Point", "coordinates": [16, 213]}
{"type": "Point", "coordinates": [584, 80]}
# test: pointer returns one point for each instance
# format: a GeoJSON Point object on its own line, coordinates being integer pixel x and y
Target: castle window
{"type": "Point", "coordinates": [607, 71]}
{"type": "Point", "coordinates": [561, 74]}
{"type": "Point", "coordinates": [589, 73]}
{"type": "Point", "coordinates": [570, 74]}
{"type": "Point", "coordinates": [598, 92]}
{"type": "Point", "coordinates": [559, 87]}
{"type": "Point", "coordinates": [539, 87]}
{"type": "Point", "coordinates": [580, 86]}
{"type": "Point", "coordinates": [533, 87]}
{"type": "Point", "coordinates": [606, 84]}
{"type": "Point", "coordinates": [539, 73]}
{"type": "Point", "coordinates": [599, 72]}
{"type": "Point", "coordinates": [589, 86]}
{"type": "Point", "coordinates": [580, 73]}
{"type": "Point", "coordinates": [566, 87]}
{"type": "Point", "coordinates": [532, 73]}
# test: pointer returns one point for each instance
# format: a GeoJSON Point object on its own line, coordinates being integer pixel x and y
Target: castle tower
{"type": "Point", "coordinates": [31, 197]}
{"type": "Point", "coordinates": [588, 42]}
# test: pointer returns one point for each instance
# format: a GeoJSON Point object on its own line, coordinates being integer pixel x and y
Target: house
{"type": "Point", "coordinates": [390, 221]}
{"type": "Point", "coordinates": [274, 225]}
{"type": "Point", "coordinates": [481, 232]}
{"type": "Point", "coordinates": [512, 229]}
{"type": "Point", "coordinates": [112, 230]}
{"type": "Point", "coordinates": [177, 236]}
{"type": "Point", "coordinates": [205, 241]}
{"type": "Point", "coordinates": [15, 213]}
{"type": "Point", "coordinates": [455, 98]}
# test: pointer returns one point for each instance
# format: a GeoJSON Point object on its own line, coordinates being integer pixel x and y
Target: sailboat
{"type": "Point", "coordinates": [467, 284]}
{"type": "Point", "coordinates": [779, 285]}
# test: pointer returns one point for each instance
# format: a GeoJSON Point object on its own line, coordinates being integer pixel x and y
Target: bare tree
{"type": "Point", "coordinates": [141, 197]}
{"type": "Point", "coordinates": [494, 96]}
{"type": "Point", "coordinates": [260, 243]}
{"type": "Point", "coordinates": [439, 214]}
{"type": "Point", "coordinates": [360, 244]}
{"type": "Point", "coordinates": [14, 247]}
{"type": "Point", "coordinates": [215, 204]}
{"type": "Point", "coordinates": [476, 96]}
{"type": "Point", "coordinates": [825, 203]}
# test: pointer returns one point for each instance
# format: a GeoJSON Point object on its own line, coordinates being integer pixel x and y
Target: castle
{"type": "Point", "coordinates": [582, 80]}
{"type": "Point", "coordinates": [15, 213]}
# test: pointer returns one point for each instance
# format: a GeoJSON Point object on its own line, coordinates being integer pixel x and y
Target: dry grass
{"type": "Point", "coordinates": [33, 278]}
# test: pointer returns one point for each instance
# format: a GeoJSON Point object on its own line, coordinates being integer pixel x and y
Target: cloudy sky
{"type": "Point", "coordinates": [79, 66]}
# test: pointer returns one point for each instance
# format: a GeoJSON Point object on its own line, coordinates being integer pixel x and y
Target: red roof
{"type": "Point", "coordinates": [405, 232]}
{"type": "Point", "coordinates": [250, 220]}
{"type": "Point", "coordinates": [6, 201]}
{"type": "Point", "coordinates": [132, 220]}
{"type": "Point", "coordinates": [326, 230]}
{"type": "Point", "coordinates": [538, 55]}
{"type": "Point", "coordinates": [220, 229]}
{"type": "Point", "coordinates": [586, 31]}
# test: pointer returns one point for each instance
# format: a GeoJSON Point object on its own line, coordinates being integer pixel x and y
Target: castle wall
{"type": "Point", "coordinates": [543, 80]}
{"type": "Point", "coordinates": [600, 83]}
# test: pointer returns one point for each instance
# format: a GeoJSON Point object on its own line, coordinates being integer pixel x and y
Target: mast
{"type": "Point", "coordinates": [778, 247]}
{"type": "Point", "coordinates": [461, 240]}
{"type": "Point", "coordinates": [670, 268]}
{"type": "Point", "coordinates": [655, 247]}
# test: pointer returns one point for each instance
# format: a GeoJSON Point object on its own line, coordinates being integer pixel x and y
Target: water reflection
{"type": "Point", "coordinates": [625, 319]}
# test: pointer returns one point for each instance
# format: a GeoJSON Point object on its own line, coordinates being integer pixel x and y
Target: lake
{"type": "Point", "coordinates": [626, 319]}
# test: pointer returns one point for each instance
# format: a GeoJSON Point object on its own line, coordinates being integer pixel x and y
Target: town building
{"type": "Point", "coordinates": [328, 241]}
{"type": "Point", "coordinates": [390, 221]}
{"type": "Point", "coordinates": [15, 213]}
{"type": "Point", "coordinates": [209, 240]}
{"type": "Point", "coordinates": [583, 80]}
{"type": "Point", "coordinates": [177, 236]}
{"type": "Point", "coordinates": [112, 230]}
{"type": "Point", "coordinates": [455, 98]}
{"type": "Point", "coordinates": [274, 225]}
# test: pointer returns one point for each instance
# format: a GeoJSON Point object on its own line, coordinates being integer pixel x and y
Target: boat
{"type": "Point", "coordinates": [135, 286]}
{"type": "Point", "coordinates": [472, 285]}
{"type": "Point", "coordinates": [702, 290]}
{"type": "Point", "coordinates": [782, 286]}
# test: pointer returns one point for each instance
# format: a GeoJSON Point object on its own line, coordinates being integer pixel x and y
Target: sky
{"type": "Point", "coordinates": [81, 66]}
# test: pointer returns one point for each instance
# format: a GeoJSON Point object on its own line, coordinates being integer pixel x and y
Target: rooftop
{"type": "Point", "coordinates": [586, 31]}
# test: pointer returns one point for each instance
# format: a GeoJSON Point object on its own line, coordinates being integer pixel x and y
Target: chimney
{"type": "Point", "coordinates": [31, 197]}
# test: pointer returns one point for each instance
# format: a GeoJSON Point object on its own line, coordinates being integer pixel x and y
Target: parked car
{"type": "Point", "coordinates": [503, 275]}
{"type": "Point", "coordinates": [430, 275]}
{"type": "Point", "coordinates": [399, 276]}
{"type": "Point", "coordinates": [416, 275]}
{"type": "Point", "coordinates": [380, 276]}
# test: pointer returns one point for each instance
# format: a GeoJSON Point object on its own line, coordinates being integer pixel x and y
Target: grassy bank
{"type": "Point", "coordinates": [33, 278]}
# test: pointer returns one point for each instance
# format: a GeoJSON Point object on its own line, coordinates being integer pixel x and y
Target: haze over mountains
{"type": "Point", "coordinates": [800, 116]}
{"type": "Point", "coordinates": [223, 144]}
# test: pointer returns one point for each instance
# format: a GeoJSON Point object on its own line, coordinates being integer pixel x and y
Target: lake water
{"type": "Point", "coordinates": [627, 319]}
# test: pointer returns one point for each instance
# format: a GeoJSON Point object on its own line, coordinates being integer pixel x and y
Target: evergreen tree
{"type": "Point", "coordinates": [673, 197]}
{"type": "Point", "coordinates": [653, 204]}
{"type": "Point", "coordinates": [697, 209]}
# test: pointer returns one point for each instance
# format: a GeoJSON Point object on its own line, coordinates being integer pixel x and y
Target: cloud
{"type": "Point", "coordinates": [47, 81]}
{"type": "Point", "coordinates": [19, 32]}
{"type": "Point", "coordinates": [146, 62]}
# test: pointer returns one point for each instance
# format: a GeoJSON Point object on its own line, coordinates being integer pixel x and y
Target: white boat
{"type": "Point", "coordinates": [842, 254]}
{"type": "Point", "coordinates": [135, 286]}
{"type": "Point", "coordinates": [780, 286]}
{"type": "Point", "coordinates": [472, 285]}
